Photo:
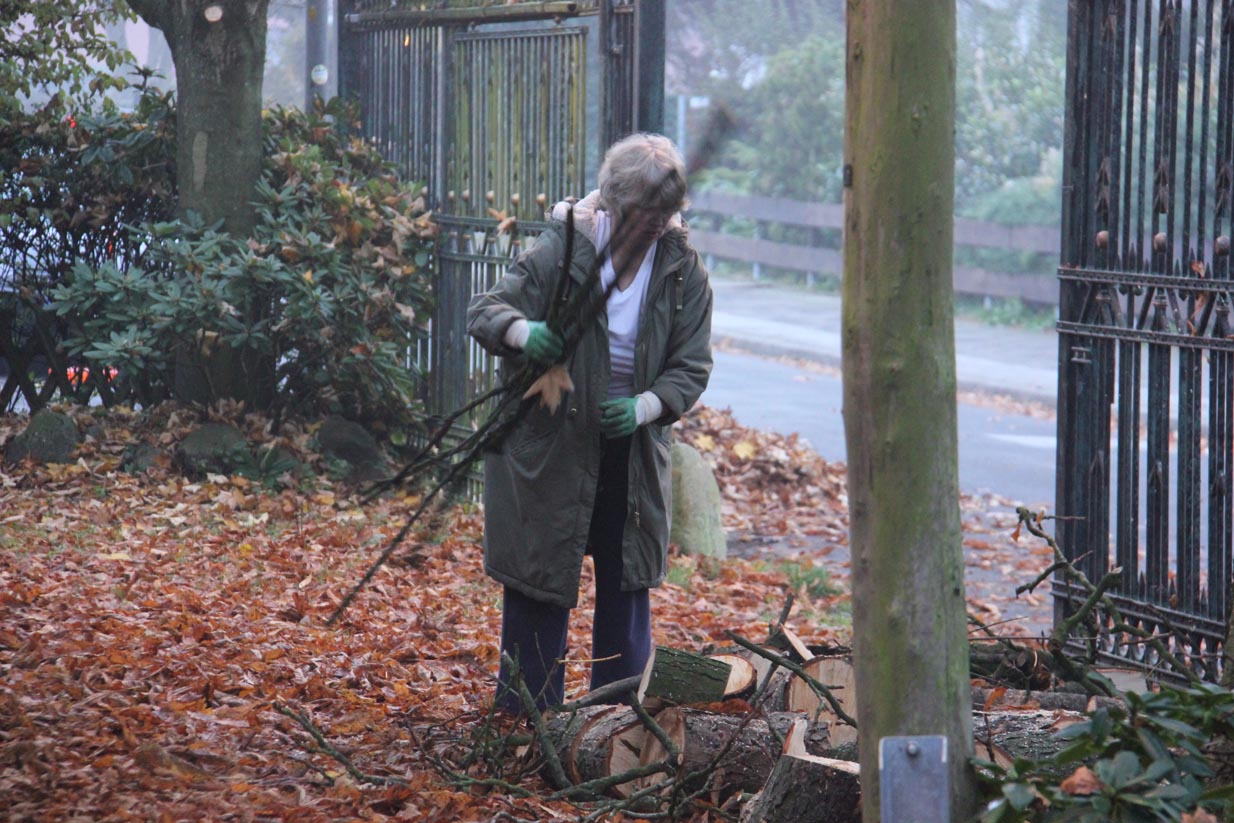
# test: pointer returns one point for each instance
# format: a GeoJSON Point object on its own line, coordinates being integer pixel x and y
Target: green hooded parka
{"type": "Point", "coordinates": [540, 485]}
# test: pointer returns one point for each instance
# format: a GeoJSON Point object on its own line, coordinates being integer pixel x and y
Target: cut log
{"type": "Point", "coordinates": [598, 741]}
{"type": "Point", "coordinates": [682, 677]}
{"type": "Point", "coordinates": [775, 696]}
{"type": "Point", "coordinates": [804, 788]}
{"type": "Point", "coordinates": [1004, 736]}
{"type": "Point", "coordinates": [702, 737]}
{"type": "Point", "coordinates": [761, 665]}
{"type": "Point", "coordinates": [836, 673]}
{"type": "Point", "coordinates": [742, 677]}
{"type": "Point", "coordinates": [1007, 699]}
{"type": "Point", "coordinates": [1019, 667]}
{"type": "Point", "coordinates": [787, 639]}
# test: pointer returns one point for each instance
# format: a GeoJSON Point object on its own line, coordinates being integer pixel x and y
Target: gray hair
{"type": "Point", "coordinates": [643, 171]}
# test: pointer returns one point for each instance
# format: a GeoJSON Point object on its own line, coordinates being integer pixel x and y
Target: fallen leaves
{"type": "Point", "coordinates": [1081, 782]}
{"type": "Point", "coordinates": [551, 387]}
{"type": "Point", "coordinates": [148, 625]}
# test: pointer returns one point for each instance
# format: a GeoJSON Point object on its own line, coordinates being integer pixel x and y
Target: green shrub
{"type": "Point", "coordinates": [1147, 763]}
{"type": "Point", "coordinates": [72, 179]}
{"type": "Point", "coordinates": [332, 289]}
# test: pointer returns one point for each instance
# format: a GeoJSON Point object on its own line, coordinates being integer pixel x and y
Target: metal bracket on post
{"type": "Point", "coordinates": [914, 786]}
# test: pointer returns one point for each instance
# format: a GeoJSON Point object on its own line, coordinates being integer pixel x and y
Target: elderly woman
{"type": "Point", "coordinates": [593, 475]}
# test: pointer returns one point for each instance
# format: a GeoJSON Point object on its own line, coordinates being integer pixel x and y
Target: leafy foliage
{"type": "Point", "coordinates": [1148, 763]}
{"type": "Point", "coordinates": [1009, 95]}
{"type": "Point", "coordinates": [57, 44]}
{"type": "Point", "coordinates": [798, 110]}
{"type": "Point", "coordinates": [333, 287]}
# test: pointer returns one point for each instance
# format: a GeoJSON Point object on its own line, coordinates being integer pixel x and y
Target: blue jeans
{"type": "Point", "coordinates": [533, 633]}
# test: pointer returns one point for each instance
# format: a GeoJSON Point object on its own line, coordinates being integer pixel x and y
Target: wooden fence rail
{"type": "Point", "coordinates": [1038, 287]}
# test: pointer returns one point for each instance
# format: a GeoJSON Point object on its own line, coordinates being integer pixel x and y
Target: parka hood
{"type": "Point", "coordinates": [585, 215]}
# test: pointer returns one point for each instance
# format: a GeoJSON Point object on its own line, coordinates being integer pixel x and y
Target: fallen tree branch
{"type": "Point", "coordinates": [655, 728]}
{"type": "Point", "coordinates": [461, 779]}
{"type": "Point", "coordinates": [1058, 565]}
{"type": "Point", "coordinates": [1092, 681]}
{"type": "Point", "coordinates": [537, 721]}
{"type": "Point", "coordinates": [615, 691]}
{"type": "Point", "coordinates": [327, 748]}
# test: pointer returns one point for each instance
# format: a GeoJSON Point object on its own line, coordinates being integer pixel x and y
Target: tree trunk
{"type": "Point", "coordinates": [220, 63]}
{"type": "Point", "coordinates": [899, 386]}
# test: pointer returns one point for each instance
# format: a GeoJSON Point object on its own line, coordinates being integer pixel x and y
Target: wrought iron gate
{"type": "Point", "coordinates": [498, 109]}
{"type": "Point", "coordinates": [1145, 424]}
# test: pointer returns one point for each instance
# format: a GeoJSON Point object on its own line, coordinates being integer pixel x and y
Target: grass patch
{"type": "Point", "coordinates": [806, 578]}
{"type": "Point", "coordinates": [680, 573]}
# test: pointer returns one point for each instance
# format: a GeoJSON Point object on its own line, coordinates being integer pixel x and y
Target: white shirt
{"type": "Point", "coordinates": [624, 308]}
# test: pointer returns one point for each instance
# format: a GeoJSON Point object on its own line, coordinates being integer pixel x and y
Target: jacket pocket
{"type": "Point", "coordinates": [527, 440]}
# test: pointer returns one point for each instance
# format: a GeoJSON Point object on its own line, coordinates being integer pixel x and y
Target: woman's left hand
{"type": "Point", "coordinates": [619, 417]}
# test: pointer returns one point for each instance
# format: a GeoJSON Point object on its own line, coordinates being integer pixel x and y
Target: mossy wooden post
{"type": "Point", "coordinates": [910, 650]}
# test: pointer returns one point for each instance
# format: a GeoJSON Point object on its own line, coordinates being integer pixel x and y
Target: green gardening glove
{"type": "Point", "coordinates": [618, 417]}
{"type": "Point", "coordinates": [543, 345]}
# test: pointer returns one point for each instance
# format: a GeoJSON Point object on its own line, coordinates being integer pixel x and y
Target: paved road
{"type": "Point", "coordinates": [1008, 454]}
{"type": "Point", "coordinates": [1021, 363]}
{"type": "Point", "coordinates": [1011, 455]}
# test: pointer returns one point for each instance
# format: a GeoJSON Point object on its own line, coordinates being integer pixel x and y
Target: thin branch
{"type": "Point", "coordinates": [557, 773]}
{"type": "Point", "coordinates": [778, 626]}
{"type": "Point", "coordinates": [1048, 573]}
{"type": "Point", "coordinates": [608, 693]}
{"type": "Point", "coordinates": [674, 754]}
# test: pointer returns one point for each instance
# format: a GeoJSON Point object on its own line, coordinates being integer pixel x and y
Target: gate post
{"type": "Point", "coordinates": [649, 66]}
